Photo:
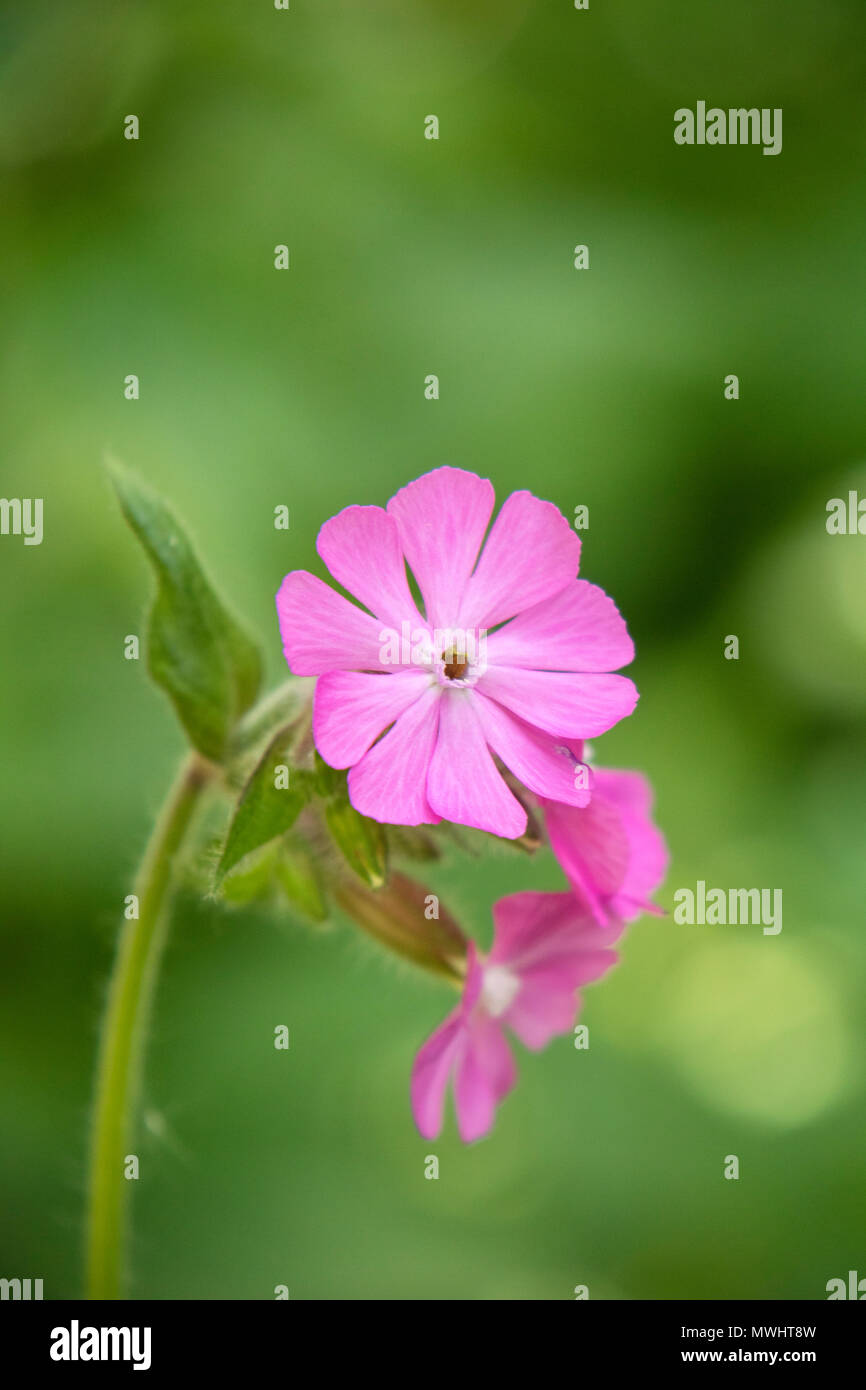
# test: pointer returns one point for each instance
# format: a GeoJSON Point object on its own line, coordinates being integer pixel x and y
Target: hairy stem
{"type": "Point", "coordinates": [121, 1045]}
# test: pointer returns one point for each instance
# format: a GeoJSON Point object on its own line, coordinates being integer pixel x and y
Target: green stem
{"type": "Point", "coordinates": [121, 1046]}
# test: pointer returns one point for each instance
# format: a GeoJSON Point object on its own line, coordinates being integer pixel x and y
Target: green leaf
{"type": "Point", "coordinates": [360, 840]}
{"type": "Point", "coordinates": [267, 807]}
{"type": "Point", "coordinates": [195, 649]}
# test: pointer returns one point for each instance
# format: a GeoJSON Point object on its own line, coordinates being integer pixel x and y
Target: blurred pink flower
{"type": "Point", "coordinates": [511, 655]}
{"type": "Point", "coordinates": [610, 851]}
{"type": "Point", "coordinates": [545, 946]}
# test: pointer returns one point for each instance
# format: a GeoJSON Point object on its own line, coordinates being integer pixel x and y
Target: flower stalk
{"type": "Point", "coordinates": [124, 1028]}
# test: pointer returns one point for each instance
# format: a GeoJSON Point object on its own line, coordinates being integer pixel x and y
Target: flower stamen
{"type": "Point", "coordinates": [456, 664]}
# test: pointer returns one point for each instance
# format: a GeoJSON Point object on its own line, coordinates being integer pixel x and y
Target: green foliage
{"type": "Point", "coordinates": [196, 651]}
{"type": "Point", "coordinates": [361, 841]}
{"type": "Point", "coordinates": [299, 879]}
{"type": "Point", "coordinates": [269, 804]}
{"type": "Point", "coordinates": [252, 880]}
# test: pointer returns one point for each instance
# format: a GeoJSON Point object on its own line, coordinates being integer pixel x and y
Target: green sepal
{"type": "Point", "coordinates": [267, 807]}
{"type": "Point", "coordinates": [361, 841]}
{"type": "Point", "coordinates": [298, 877]}
{"type": "Point", "coordinates": [253, 879]}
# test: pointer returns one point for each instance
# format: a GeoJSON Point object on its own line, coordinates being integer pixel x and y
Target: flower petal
{"type": "Point", "coordinates": [361, 547]}
{"type": "Point", "coordinates": [474, 979]}
{"type": "Point", "coordinates": [631, 792]}
{"type": "Point", "coordinates": [350, 710]}
{"type": "Point", "coordinates": [322, 631]}
{"type": "Point", "coordinates": [544, 767]}
{"type": "Point", "coordinates": [463, 784]}
{"type": "Point", "coordinates": [553, 945]}
{"type": "Point", "coordinates": [647, 850]}
{"type": "Point", "coordinates": [570, 706]}
{"type": "Point", "coordinates": [548, 1003]}
{"type": "Point", "coordinates": [389, 782]}
{"type": "Point", "coordinates": [442, 517]}
{"type": "Point", "coordinates": [530, 929]}
{"type": "Point", "coordinates": [485, 1073]}
{"type": "Point", "coordinates": [530, 554]}
{"type": "Point", "coordinates": [592, 847]}
{"type": "Point", "coordinates": [431, 1070]}
{"type": "Point", "coordinates": [579, 629]}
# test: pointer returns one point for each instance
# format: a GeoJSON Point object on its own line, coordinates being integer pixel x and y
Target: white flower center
{"type": "Point", "coordinates": [499, 989]}
{"type": "Point", "coordinates": [459, 656]}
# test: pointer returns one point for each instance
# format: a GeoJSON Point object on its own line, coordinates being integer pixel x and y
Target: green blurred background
{"type": "Point", "coordinates": [602, 387]}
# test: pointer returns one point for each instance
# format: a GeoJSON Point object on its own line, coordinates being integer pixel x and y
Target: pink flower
{"type": "Point", "coordinates": [544, 948]}
{"type": "Point", "coordinates": [610, 851]}
{"type": "Point", "coordinates": [511, 654]}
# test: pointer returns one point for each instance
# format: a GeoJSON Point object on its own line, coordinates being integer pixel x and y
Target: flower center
{"type": "Point", "coordinates": [458, 656]}
{"type": "Point", "coordinates": [456, 664]}
{"type": "Point", "coordinates": [499, 989]}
